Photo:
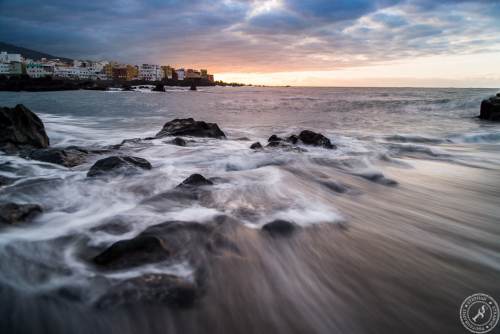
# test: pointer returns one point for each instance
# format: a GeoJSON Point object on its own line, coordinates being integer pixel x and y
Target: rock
{"type": "Point", "coordinates": [316, 139]}
{"type": "Point", "coordinates": [19, 127]}
{"type": "Point", "coordinates": [279, 227]}
{"type": "Point", "coordinates": [151, 289]}
{"type": "Point", "coordinates": [133, 252]}
{"type": "Point", "coordinates": [127, 88]}
{"type": "Point", "coordinates": [195, 180]}
{"type": "Point", "coordinates": [256, 146]}
{"type": "Point", "coordinates": [69, 157]}
{"type": "Point", "coordinates": [490, 109]}
{"type": "Point", "coordinates": [274, 138]}
{"type": "Point", "coordinates": [118, 165]}
{"type": "Point", "coordinates": [178, 141]}
{"type": "Point", "coordinates": [293, 139]}
{"type": "Point", "coordinates": [193, 87]}
{"type": "Point", "coordinates": [159, 88]}
{"type": "Point", "coordinates": [13, 213]}
{"type": "Point", "coordinates": [498, 94]}
{"type": "Point", "coordinates": [190, 127]}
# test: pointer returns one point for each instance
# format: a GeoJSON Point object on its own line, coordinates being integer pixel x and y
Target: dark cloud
{"type": "Point", "coordinates": [256, 35]}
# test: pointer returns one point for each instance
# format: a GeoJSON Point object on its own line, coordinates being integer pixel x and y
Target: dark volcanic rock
{"type": "Point", "coordinates": [279, 227]}
{"type": "Point", "coordinates": [12, 213]}
{"type": "Point", "coordinates": [19, 127]}
{"type": "Point", "coordinates": [256, 146]}
{"type": "Point", "coordinates": [190, 127]}
{"type": "Point", "coordinates": [274, 138]}
{"type": "Point", "coordinates": [293, 139]}
{"type": "Point", "coordinates": [317, 139]}
{"type": "Point", "coordinates": [118, 165]}
{"type": "Point", "coordinates": [133, 252]}
{"type": "Point", "coordinates": [69, 157]}
{"type": "Point", "coordinates": [151, 289]}
{"type": "Point", "coordinates": [178, 141]}
{"type": "Point", "coordinates": [490, 109]}
{"type": "Point", "coordinates": [195, 180]}
{"type": "Point", "coordinates": [159, 88]}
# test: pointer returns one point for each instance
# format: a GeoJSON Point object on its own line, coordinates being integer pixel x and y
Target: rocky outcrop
{"type": "Point", "coordinates": [21, 128]}
{"type": "Point", "coordinates": [195, 180]}
{"type": "Point", "coordinates": [159, 88]}
{"type": "Point", "coordinates": [190, 127]}
{"type": "Point", "coordinates": [490, 109]}
{"type": "Point", "coordinates": [133, 252]}
{"type": "Point", "coordinates": [256, 146]}
{"type": "Point", "coordinates": [13, 213]}
{"type": "Point", "coordinates": [69, 157]}
{"type": "Point", "coordinates": [125, 165]}
{"type": "Point", "coordinates": [178, 141]}
{"type": "Point", "coordinates": [316, 139]}
{"type": "Point", "coordinates": [279, 228]}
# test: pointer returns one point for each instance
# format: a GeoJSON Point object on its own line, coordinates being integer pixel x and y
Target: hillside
{"type": "Point", "coordinates": [28, 53]}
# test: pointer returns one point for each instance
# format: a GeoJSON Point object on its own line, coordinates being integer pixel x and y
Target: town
{"type": "Point", "coordinates": [15, 65]}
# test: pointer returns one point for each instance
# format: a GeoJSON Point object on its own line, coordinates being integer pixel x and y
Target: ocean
{"type": "Point", "coordinates": [396, 226]}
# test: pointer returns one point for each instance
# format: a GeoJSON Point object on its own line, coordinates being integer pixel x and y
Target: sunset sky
{"type": "Point", "coordinates": [275, 42]}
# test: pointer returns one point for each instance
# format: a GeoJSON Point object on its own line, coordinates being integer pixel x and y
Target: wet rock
{"type": "Point", "coordinates": [159, 88]}
{"type": "Point", "coordinates": [256, 146]}
{"type": "Point", "coordinates": [316, 139]}
{"type": "Point", "coordinates": [13, 213]}
{"type": "Point", "coordinates": [293, 139]}
{"type": "Point", "coordinates": [190, 127]}
{"type": "Point", "coordinates": [195, 180]}
{"type": "Point", "coordinates": [490, 109]}
{"type": "Point", "coordinates": [274, 138]}
{"type": "Point", "coordinates": [279, 228]}
{"type": "Point", "coordinates": [19, 127]}
{"type": "Point", "coordinates": [178, 141]}
{"type": "Point", "coordinates": [69, 157]}
{"type": "Point", "coordinates": [151, 289]}
{"type": "Point", "coordinates": [133, 252]}
{"type": "Point", "coordinates": [118, 165]}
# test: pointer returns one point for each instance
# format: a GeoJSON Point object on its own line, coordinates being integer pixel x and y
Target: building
{"type": "Point", "coordinates": [168, 72]}
{"type": "Point", "coordinates": [150, 72]}
{"type": "Point", "coordinates": [193, 74]}
{"type": "Point", "coordinates": [210, 78]}
{"type": "Point", "coordinates": [180, 74]}
{"type": "Point", "coordinates": [124, 72]}
{"type": "Point", "coordinates": [204, 74]}
{"type": "Point", "coordinates": [74, 73]}
{"type": "Point", "coordinates": [8, 57]}
{"type": "Point", "coordinates": [39, 70]}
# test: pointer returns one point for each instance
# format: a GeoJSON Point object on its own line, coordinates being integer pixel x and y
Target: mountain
{"type": "Point", "coordinates": [28, 53]}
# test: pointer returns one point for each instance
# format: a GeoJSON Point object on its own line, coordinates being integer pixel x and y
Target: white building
{"type": "Point", "coordinates": [39, 70]}
{"type": "Point", "coordinates": [8, 57]}
{"type": "Point", "coordinates": [150, 72]}
{"type": "Point", "coordinates": [4, 69]}
{"type": "Point", "coordinates": [181, 74]}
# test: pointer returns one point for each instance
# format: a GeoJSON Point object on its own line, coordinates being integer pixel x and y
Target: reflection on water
{"type": "Point", "coordinates": [397, 226]}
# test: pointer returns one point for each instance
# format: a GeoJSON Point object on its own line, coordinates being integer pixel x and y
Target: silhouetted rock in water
{"type": "Point", "coordinates": [178, 141]}
{"type": "Point", "coordinates": [21, 128]}
{"type": "Point", "coordinates": [127, 88]}
{"type": "Point", "coordinates": [195, 180]}
{"type": "Point", "coordinates": [190, 127]}
{"type": "Point", "coordinates": [151, 289]}
{"type": "Point", "coordinates": [274, 138]}
{"type": "Point", "coordinates": [118, 165]}
{"type": "Point", "coordinates": [316, 139]}
{"type": "Point", "coordinates": [279, 227]}
{"type": "Point", "coordinates": [490, 109]}
{"type": "Point", "coordinates": [293, 139]}
{"type": "Point", "coordinates": [134, 252]}
{"type": "Point", "coordinates": [256, 146]}
{"type": "Point", "coordinates": [69, 157]}
{"type": "Point", "coordinates": [159, 88]}
{"type": "Point", "coordinates": [13, 213]}
{"type": "Point", "coordinates": [193, 87]}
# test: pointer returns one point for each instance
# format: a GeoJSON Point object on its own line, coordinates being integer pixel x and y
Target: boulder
{"type": "Point", "coordinates": [118, 165]}
{"type": "Point", "coordinates": [190, 127]}
{"type": "Point", "coordinates": [13, 213]}
{"type": "Point", "coordinates": [19, 127]}
{"type": "Point", "coordinates": [316, 139]}
{"type": "Point", "coordinates": [293, 139]}
{"type": "Point", "coordinates": [274, 138]}
{"type": "Point", "coordinates": [151, 289]}
{"type": "Point", "coordinates": [256, 146]}
{"type": "Point", "coordinates": [178, 141]}
{"type": "Point", "coordinates": [279, 228]}
{"type": "Point", "coordinates": [69, 157]}
{"type": "Point", "coordinates": [195, 180]}
{"type": "Point", "coordinates": [490, 109]}
{"type": "Point", "coordinates": [159, 88]}
{"type": "Point", "coordinates": [133, 252]}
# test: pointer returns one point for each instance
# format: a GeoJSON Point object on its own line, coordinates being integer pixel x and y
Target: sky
{"type": "Point", "coordinates": [425, 43]}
